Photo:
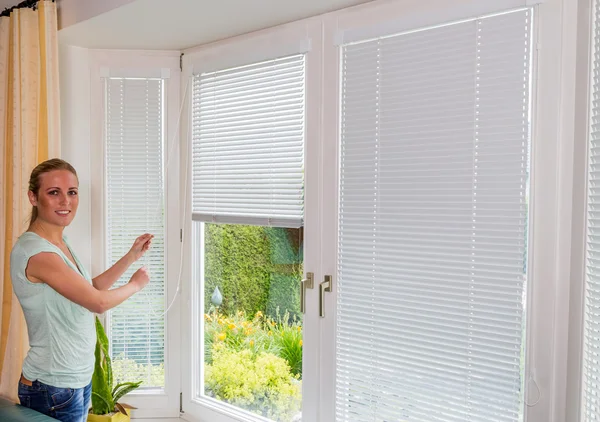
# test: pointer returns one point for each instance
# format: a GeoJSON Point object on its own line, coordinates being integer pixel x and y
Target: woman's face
{"type": "Point", "coordinates": [57, 200]}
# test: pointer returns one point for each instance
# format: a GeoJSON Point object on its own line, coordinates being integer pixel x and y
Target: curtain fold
{"type": "Point", "coordinates": [29, 134]}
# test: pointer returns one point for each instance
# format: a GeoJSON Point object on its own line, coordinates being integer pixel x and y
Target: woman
{"type": "Point", "coordinates": [59, 298]}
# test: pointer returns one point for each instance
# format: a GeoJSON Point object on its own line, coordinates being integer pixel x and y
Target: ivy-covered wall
{"type": "Point", "coordinates": [256, 268]}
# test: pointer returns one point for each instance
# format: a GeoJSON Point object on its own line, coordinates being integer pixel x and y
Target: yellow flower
{"type": "Point", "coordinates": [207, 317]}
{"type": "Point", "coordinates": [222, 336]}
{"type": "Point", "coordinates": [259, 314]}
{"type": "Point", "coordinates": [270, 333]}
{"type": "Point", "coordinates": [301, 343]}
{"type": "Point", "coordinates": [251, 343]}
{"type": "Point", "coordinates": [299, 328]}
{"type": "Point", "coordinates": [221, 322]}
{"type": "Point", "coordinates": [232, 326]}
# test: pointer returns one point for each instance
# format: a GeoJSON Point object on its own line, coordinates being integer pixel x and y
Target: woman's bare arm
{"type": "Point", "coordinates": [109, 277]}
{"type": "Point", "coordinates": [50, 268]}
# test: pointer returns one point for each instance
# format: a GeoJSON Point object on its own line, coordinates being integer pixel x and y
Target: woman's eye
{"type": "Point", "coordinates": [52, 192]}
{"type": "Point", "coordinates": [73, 192]}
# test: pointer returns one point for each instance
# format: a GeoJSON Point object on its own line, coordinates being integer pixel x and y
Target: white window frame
{"type": "Point", "coordinates": [299, 37]}
{"type": "Point", "coordinates": [582, 57]}
{"type": "Point", "coordinates": [149, 403]}
{"type": "Point", "coordinates": [550, 229]}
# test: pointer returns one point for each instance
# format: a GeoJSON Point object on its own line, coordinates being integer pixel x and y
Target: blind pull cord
{"type": "Point", "coordinates": [531, 380]}
{"type": "Point", "coordinates": [159, 207]}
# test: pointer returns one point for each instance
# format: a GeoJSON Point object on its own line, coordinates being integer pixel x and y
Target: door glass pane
{"type": "Point", "coordinates": [251, 319]}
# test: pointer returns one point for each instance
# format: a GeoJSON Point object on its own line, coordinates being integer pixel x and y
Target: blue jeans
{"type": "Point", "coordinates": [64, 404]}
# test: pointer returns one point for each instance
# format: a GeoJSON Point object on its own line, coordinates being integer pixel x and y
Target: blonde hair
{"type": "Point", "coordinates": [34, 179]}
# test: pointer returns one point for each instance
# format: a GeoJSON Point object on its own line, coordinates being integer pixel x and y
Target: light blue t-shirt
{"type": "Point", "coordinates": [62, 334]}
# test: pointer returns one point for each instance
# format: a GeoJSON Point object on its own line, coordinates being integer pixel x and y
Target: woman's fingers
{"type": "Point", "coordinates": [144, 238]}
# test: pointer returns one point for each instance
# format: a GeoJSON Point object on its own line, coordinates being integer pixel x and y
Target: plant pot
{"type": "Point", "coordinates": [111, 417]}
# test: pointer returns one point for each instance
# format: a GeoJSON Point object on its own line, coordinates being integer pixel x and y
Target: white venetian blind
{"type": "Point", "coordinates": [134, 194]}
{"type": "Point", "coordinates": [432, 223]}
{"type": "Point", "coordinates": [248, 144]}
{"type": "Point", "coordinates": [591, 359]}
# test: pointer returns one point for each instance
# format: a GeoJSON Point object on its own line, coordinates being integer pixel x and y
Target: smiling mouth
{"type": "Point", "coordinates": [63, 212]}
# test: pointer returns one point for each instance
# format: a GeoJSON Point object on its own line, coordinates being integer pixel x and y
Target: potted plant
{"type": "Point", "coordinates": [105, 396]}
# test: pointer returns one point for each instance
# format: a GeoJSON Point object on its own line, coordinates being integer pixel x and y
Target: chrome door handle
{"type": "Point", "coordinates": [307, 283]}
{"type": "Point", "coordinates": [324, 287]}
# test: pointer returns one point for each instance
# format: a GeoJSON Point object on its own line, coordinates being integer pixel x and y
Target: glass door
{"type": "Point", "coordinates": [426, 175]}
{"type": "Point", "coordinates": [254, 242]}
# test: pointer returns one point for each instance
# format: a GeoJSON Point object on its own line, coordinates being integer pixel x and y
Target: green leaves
{"type": "Point", "coordinates": [102, 402]}
{"type": "Point", "coordinates": [102, 340]}
{"type": "Point", "coordinates": [100, 405]}
{"type": "Point", "coordinates": [259, 383]}
{"type": "Point", "coordinates": [256, 268]}
{"type": "Point", "coordinates": [104, 396]}
{"type": "Point", "coordinates": [289, 340]}
{"type": "Point", "coordinates": [123, 389]}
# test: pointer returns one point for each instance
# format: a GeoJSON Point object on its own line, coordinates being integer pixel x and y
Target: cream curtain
{"type": "Point", "coordinates": [29, 134]}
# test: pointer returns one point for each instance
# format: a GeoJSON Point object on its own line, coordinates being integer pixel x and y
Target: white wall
{"type": "Point", "coordinates": [75, 128]}
{"type": "Point", "coordinates": [71, 12]}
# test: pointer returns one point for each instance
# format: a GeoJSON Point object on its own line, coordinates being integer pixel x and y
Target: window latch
{"type": "Point", "coordinates": [324, 287]}
{"type": "Point", "coordinates": [307, 283]}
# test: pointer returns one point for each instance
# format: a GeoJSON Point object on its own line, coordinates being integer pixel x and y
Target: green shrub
{"type": "Point", "coordinates": [286, 271]}
{"type": "Point", "coordinates": [284, 296]}
{"type": "Point", "coordinates": [256, 268]}
{"type": "Point", "coordinates": [285, 245]}
{"type": "Point", "coordinates": [237, 260]}
{"type": "Point", "coordinates": [260, 383]}
{"type": "Point", "coordinates": [237, 333]}
{"type": "Point", "coordinates": [281, 337]}
{"type": "Point", "coordinates": [288, 341]}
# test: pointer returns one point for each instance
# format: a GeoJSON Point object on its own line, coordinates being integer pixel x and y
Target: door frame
{"type": "Point", "coordinates": [298, 37]}
{"type": "Point", "coordinates": [550, 190]}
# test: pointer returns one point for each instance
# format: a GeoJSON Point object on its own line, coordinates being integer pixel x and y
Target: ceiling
{"type": "Point", "coordinates": [151, 24]}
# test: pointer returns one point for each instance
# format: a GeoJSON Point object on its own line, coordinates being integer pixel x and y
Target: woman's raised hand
{"type": "Point", "coordinates": [140, 278]}
{"type": "Point", "coordinates": [140, 246]}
